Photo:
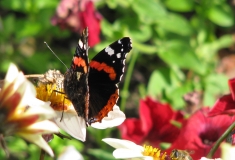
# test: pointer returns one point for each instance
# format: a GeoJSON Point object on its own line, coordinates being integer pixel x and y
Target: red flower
{"type": "Point", "coordinates": [200, 132]}
{"type": "Point", "coordinates": [77, 15]}
{"type": "Point", "coordinates": [225, 104]}
{"type": "Point", "coordinates": [154, 126]}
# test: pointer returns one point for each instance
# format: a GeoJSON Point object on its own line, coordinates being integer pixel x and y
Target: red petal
{"type": "Point", "coordinates": [200, 133]}
{"type": "Point", "coordinates": [91, 19]}
{"type": "Point", "coordinates": [231, 84]}
{"type": "Point", "coordinates": [224, 105]}
{"type": "Point", "coordinates": [131, 129]}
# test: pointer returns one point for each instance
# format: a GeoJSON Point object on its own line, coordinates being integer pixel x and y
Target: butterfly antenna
{"type": "Point", "coordinates": [56, 55]}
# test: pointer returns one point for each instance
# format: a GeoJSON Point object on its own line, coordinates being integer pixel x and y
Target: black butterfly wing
{"type": "Point", "coordinates": [106, 70]}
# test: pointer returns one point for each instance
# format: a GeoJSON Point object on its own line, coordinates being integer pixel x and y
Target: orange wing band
{"type": "Point", "coordinates": [102, 66]}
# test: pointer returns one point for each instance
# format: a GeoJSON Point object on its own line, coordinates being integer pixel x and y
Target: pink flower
{"type": "Point", "coordinates": [77, 15]}
{"type": "Point", "coordinates": [154, 126]}
{"type": "Point", "coordinates": [225, 104]}
{"type": "Point", "coordinates": [200, 132]}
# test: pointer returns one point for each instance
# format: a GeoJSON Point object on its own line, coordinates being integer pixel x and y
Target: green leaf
{"type": "Point", "coordinates": [159, 80]}
{"type": "Point", "coordinates": [144, 48]}
{"type": "Point", "coordinates": [179, 53]}
{"type": "Point", "coordinates": [149, 11]}
{"type": "Point", "coordinates": [8, 26]}
{"type": "Point", "coordinates": [43, 4]}
{"type": "Point", "coordinates": [137, 31]}
{"type": "Point", "coordinates": [221, 15]}
{"type": "Point", "coordinates": [215, 84]}
{"type": "Point", "coordinates": [175, 94]}
{"type": "Point", "coordinates": [22, 6]}
{"type": "Point", "coordinates": [208, 50]}
{"type": "Point", "coordinates": [101, 154]}
{"type": "Point", "coordinates": [27, 28]}
{"type": "Point", "coordinates": [180, 5]}
{"type": "Point", "coordinates": [176, 24]}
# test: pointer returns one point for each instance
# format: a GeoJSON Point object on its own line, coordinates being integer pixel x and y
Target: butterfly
{"type": "Point", "coordinates": [92, 86]}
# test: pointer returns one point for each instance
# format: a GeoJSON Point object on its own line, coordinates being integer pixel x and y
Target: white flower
{"type": "Point", "coordinates": [126, 149]}
{"type": "Point", "coordinates": [70, 153]}
{"type": "Point", "coordinates": [21, 113]}
{"type": "Point", "coordinates": [114, 118]}
{"type": "Point", "coordinates": [50, 88]}
{"type": "Point", "coordinates": [228, 151]}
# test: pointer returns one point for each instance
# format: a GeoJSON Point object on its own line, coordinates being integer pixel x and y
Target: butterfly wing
{"type": "Point", "coordinates": [106, 70]}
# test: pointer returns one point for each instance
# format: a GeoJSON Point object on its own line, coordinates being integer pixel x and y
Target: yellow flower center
{"type": "Point", "coordinates": [153, 152]}
{"type": "Point", "coordinates": [54, 94]}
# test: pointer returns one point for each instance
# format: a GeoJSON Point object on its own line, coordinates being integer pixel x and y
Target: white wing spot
{"type": "Point", "coordinates": [80, 43]}
{"type": "Point", "coordinates": [109, 50]}
{"type": "Point", "coordinates": [119, 41]}
{"type": "Point", "coordinates": [113, 61]}
{"type": "Point", "coordinates": [118, 55]}
{"type": "Point", "coordinates": [122, 50]}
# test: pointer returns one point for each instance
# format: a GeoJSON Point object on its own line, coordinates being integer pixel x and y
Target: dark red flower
{"type": "Point", "coordinates": [200, 132]}
{"type": "Point", "coordinates": [77, 15]}
{"type": "Point", "coordinates": [154, 126]}
{"type": "Point", "coordinates": [225, 104]}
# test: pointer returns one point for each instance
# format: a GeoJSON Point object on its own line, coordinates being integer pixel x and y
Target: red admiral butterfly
{"type": "Point", "coordinates": [92, 87]}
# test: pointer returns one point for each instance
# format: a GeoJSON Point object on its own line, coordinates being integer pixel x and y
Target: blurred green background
{"type": "Point", "coordinates": [179, 46]}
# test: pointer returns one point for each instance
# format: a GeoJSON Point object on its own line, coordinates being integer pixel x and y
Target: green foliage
{"type": "Point", "coordinates": [175, 46]}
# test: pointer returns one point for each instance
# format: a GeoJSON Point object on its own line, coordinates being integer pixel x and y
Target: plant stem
{"type": "Point", "coordinates": [217, 143]}
{"type": "Point", "coordinates": [42, 154]}
{"type": "Point", "coordinates": [125, 91]}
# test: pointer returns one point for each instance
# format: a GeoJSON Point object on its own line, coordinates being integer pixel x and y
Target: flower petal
{"type": "Point", "coordinates": [224, 105]}
{"type": "Point", "coordinates": [43, 127]}
{"type": "Point", "coordinates": [72, 124]}
{"type": "Point", "coordinates": [11, 75]}
{"type": "Point", "coordinates": [231, 84]}
{"type": "Point", "coordinates": [118, 143]}
{"type": "Point", "coordinates": [38, 140]}
{"type": "Point", "coordinates": [123, 153]}
{"type": "Point", "coordinates": [114, 118]}
{"type": "Point", "coordinates": [228, 151]}
{"type": "Point", "coordinates": [70, 153]}
{"type": "Point", "coordinates": [41, 108]}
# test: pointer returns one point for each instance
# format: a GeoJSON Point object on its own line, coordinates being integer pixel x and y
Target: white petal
{"type": "Point", "coordinates": [123, 153]}
{"type": "Point", "coordinates": [70, 153]}
{"type": "Point", "coordinates": [38, 140]}
{"type": "Point", "coordinates": [114, 118]}
{"type": "Point", "coordinates": [119, 143]}
{"type": "Point", "coordinates": [45, 126]}
{"type": "Point", "coordinates": [228, 151]}
{"type": "Point", "coordinates": [38, 107]}
{"type": "Point", "coordinates": [72, 124]}
{"type": "Point", "coordinates": [11, 75]}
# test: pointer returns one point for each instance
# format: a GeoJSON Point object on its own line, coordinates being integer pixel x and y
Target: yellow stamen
{"type": "Point", "coordinates": [153, 152]}
{"type": "Point", "coordinates": [54, 94]}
